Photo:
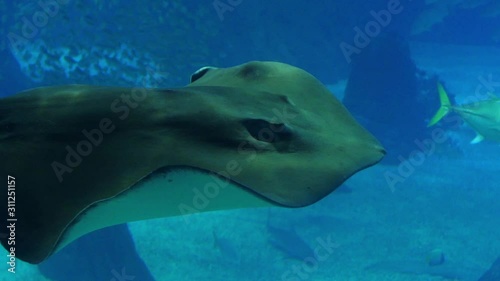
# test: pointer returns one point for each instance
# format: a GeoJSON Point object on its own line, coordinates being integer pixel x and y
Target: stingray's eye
{"type": "Point", "coordinates": [265, 131]}
{"type": "Point", "coordinates": [200, 72]}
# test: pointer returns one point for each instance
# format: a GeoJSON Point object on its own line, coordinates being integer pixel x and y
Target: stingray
{"type": "Point", "coordinates": [83, 157]}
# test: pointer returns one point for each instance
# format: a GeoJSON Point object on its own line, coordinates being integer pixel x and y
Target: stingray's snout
{"type": "Point", "coordinates": [381, 149]}
{"type": "Point", "coordinates": [378, 150]}
{"type": "Point", "coordinates": [373, 151]}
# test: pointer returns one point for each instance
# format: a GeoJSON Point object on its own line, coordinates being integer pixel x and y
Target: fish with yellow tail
{"type": "Point", "coordinates": [482, 116]}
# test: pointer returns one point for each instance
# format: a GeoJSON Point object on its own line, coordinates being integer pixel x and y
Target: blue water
{"type": "Point", "coordinates": [368, 53]}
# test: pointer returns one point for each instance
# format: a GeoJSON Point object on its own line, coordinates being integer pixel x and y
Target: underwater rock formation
{"type": "Point", "coordinates": [125, 48]}
{"type": "Point", "coordinates": [383, 93]}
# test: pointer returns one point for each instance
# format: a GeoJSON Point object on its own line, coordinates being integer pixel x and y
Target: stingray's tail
{"type": "Point", "coordinates": [445, 106]}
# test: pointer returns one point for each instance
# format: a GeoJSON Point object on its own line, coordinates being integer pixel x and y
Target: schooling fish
{"type": "Point", "coordinates": [482, 116]}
